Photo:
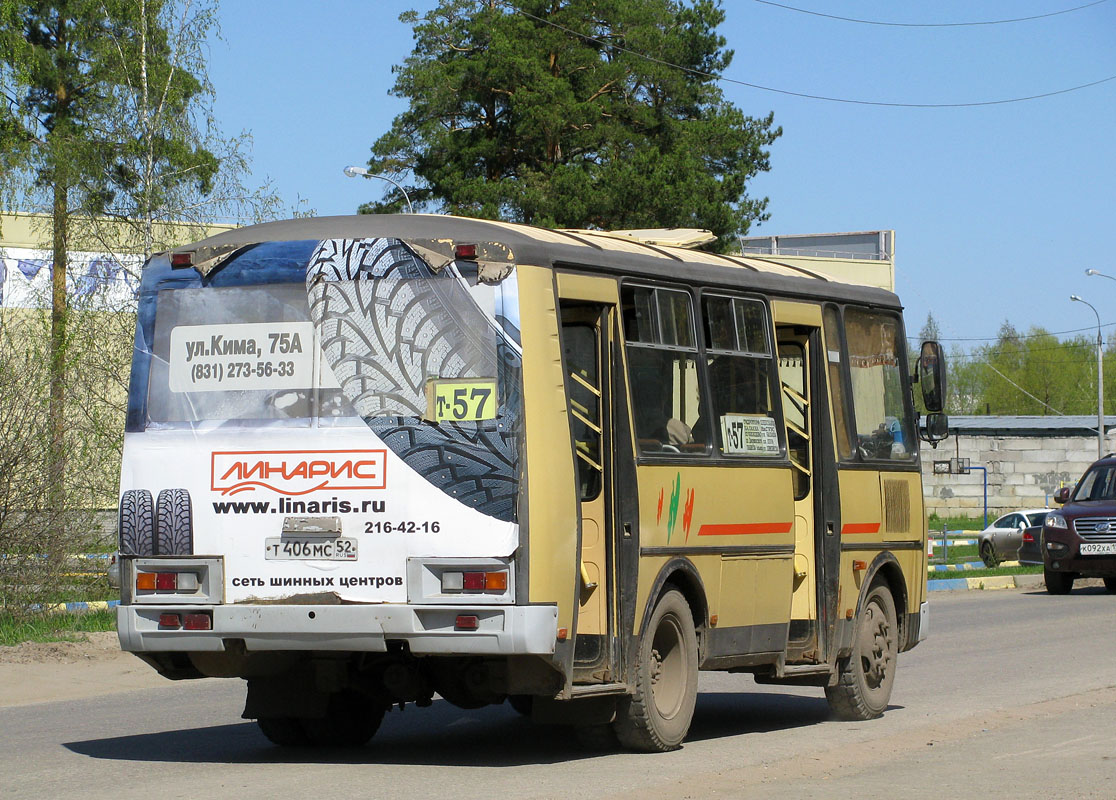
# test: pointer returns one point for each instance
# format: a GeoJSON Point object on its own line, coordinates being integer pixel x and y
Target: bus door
{"type": "Point", "coordinates": [814, 479]}
{"type": "Point", "coordinates": [589, 347]}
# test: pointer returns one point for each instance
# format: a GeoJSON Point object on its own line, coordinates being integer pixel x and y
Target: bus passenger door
{"type": "Point", "coordinates": [813, 467]}
{"type": "Point", "coordinates": [586, 345]}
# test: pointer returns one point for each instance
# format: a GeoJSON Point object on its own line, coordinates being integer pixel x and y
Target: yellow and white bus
{"type": "Point", "coordinates": [369, 459]}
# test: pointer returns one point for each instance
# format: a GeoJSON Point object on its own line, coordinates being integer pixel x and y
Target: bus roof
{"type": "Point", "coordinates": [564, 248]}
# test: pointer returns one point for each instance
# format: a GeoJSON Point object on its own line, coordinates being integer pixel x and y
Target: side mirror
{"type": "Point", "coordinates": [937, 428]}
{"type": "Point", "coordinates": [1062, 495]}
{"type": "Point", "coordinates": [931, 376]}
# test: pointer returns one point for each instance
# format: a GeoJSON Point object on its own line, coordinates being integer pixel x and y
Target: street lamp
{"type": "Point", "coordinates": [1099, 274]}
{"type": "Point", "coordinates": [352, 172]}
{"type": "Point", "coordinates": [1100, 375]}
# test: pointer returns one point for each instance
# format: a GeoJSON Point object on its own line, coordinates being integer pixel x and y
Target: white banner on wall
{"type": "Point", "coordinates": [102, 280]}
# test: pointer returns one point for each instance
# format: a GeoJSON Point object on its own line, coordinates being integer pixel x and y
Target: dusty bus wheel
{"type": "Point", "coordinates": [283, 731]}
{"type": "Point", "coordinates": [350, 721]}
{"type": "Point", "coordinates": [657, 716]}
{"type": "Point", "coordinates": [864, 682]}
{"type": "Point", "coordinates": [137, 523]}
{"type": "Point", "coordinates": [174, 526]}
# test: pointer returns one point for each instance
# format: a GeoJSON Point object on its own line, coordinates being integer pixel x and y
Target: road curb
{"type": "Point", "coordinates": [92, 605]}
{"type": "Point", "coordinates": [985, 583]}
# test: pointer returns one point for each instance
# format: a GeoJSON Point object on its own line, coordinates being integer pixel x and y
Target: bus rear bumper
{"type": "Point", "coordinates": [427, 630]}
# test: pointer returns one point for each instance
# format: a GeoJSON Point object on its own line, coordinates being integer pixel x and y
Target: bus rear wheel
{"type": "Point", "coordinates": [864, 681]}
{"type": "Point", "coordinates": [283, 731]}
{"type": "Point", "coordinates": [350, 721]}
{"type": "Point", "coordinates": [657, 716]}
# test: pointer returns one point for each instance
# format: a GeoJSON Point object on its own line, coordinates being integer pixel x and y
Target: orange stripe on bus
{"type": "Point", "coordinates": [742, 530]}
{"type": "Point", "coordinates": [860, 527]}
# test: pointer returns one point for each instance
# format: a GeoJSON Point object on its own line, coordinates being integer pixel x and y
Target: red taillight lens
{"type": "Point", "coordinates": [465, 251]}
{"type": "Point", "coordinates": [1028, 537]}
{"type": "Point", "coordinates": [473, 581]}
{"type": "Point", "coordinates": [181, 259]}
{"type": "Point", "coordinates": [466, 622]}
{"type": "Point", "coordinates": [198, 622]}
{"type": "Point", "coordinates": [172, 621]}
{"type": "Point", "coordinates": [166, 581]}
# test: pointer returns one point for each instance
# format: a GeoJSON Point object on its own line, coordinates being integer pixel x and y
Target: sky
{"type": "Point", "coordinates": [998, 209]}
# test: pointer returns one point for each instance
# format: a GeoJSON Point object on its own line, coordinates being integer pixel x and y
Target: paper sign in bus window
{"type": "Point", "coordinates": [470, 400]}
{"type": "Point", "coordinates": [231, 357]}
{"type": "Point", "coordinates": [749, 435]}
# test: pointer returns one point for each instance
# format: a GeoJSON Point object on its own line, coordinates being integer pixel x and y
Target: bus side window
{"type": "Point", "coordinates": [884, 424]}
{"type": "Point", "coordinates": [834, 360]}
{"type": "Point", "coordinates": [738, 352]}
{"type": "Point", "coordinates": [662, 366]}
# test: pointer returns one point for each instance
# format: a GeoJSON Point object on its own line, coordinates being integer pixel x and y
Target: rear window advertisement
{"type": "Point", "coordinates": [430, 360]}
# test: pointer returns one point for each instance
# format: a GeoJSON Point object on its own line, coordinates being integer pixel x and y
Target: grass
{"type": "Point", "coordinates": [935, 523]}
{"type": "Point", "coordinates": [54, 627]}
{"type": "Point", "coordinates": [983, 573]}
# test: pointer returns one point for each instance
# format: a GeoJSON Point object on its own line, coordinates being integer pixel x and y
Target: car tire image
{"type": "Point", "coordinates": [387, 324]}
{"type": "Point", "coordinates": [136, 523]}
{"type": "Point", "coordinates": [174, 525]}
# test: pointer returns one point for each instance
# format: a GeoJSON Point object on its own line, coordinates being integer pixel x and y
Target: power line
{"type": "Point", "coordinates": [929, 24]}
{"type": "Point", "coordinates": [1020, 388]}
{"type": "Point", "coordinates": [701, 73]}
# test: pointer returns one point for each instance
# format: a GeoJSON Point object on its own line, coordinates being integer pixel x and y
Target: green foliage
{"type": "Point", "coordinates": [72, 70]}
{"type": "Point", "coordinates": [54, 627]}
{"type": "Point", "coordinates": [934, 523]}
{"type": "Point", "coordinates": [545, 113]}
{"type": "Point", "coordinates": [1026, 373]}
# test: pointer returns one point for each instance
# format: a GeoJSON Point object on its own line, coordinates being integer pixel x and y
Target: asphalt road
{"type": "Point", "coordinates": [1014, 695]}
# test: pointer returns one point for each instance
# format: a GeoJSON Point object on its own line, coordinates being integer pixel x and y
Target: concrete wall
{"type": "Point", "coordinates": [1023, 472]}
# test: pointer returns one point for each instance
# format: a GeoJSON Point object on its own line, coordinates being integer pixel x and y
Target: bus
{"type": "Point", "coordinates": [374, 459]}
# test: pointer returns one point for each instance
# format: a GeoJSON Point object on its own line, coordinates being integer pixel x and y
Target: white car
{"type": "Point", "coordinates": [1000, 541]}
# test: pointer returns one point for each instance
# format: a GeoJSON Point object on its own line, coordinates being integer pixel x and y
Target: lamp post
{"type": "Point", "coordinates": [1100, 374]}
{"type": "Point", "coordinates": [352, 172]}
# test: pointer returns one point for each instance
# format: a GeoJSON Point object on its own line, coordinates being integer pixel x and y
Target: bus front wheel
{"type": "Point", "coordinates": [864, 682]}
{"type": "Point", "coordinates": [657, 716]}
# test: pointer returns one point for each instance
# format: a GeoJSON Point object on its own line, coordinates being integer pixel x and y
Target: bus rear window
{"type": "Point", "coordinates": [239, 353]}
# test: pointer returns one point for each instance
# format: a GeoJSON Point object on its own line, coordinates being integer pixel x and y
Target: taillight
{"type": "Point", "coordinates": [198, 622]}
{"type": "Point", "coordinates": [179, 582]}
{"type": "Point", "coordinates": [173, 621]}
{"type": "Point", "coordinates": [466, 622]}
{"type": "Point", "coordinates": [489, 581]}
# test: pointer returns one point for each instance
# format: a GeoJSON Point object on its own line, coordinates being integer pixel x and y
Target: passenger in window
{"type": "Point", "coordinates": [656, 427]}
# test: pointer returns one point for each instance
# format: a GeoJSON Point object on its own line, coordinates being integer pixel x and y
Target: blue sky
{"type": "Point", "coordinates": [998, 210]}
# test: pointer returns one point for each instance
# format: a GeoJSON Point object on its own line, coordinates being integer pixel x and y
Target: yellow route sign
{"type": "Point", "coordinates": [461, 400]}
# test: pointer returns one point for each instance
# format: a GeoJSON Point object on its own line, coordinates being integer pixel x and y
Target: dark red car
{"type": "Point", "coordinates": [1080, 540]}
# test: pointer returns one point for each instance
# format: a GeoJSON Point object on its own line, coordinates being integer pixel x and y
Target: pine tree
{"type": "Point", "coordinates": [575, 113]}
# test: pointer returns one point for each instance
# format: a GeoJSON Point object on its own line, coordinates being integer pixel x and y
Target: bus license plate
{"type": "Point", "coordinates": [310, 548]}
{"type": "Point", "coordinates": [1098, 548]}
